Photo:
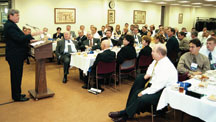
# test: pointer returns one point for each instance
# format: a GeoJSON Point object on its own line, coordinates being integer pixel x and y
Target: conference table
{"type": "Point", "coordinates": [203, 108]}
{"type": "Point", "coordinates": [84, 60]}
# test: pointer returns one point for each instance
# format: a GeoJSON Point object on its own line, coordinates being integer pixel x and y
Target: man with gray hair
{"type": "Point", "coordinates": [17, 48]}
{"type": "Point", "coordinates": [147, 88]}
{"type": "Point", "coordinates": [63, 52]}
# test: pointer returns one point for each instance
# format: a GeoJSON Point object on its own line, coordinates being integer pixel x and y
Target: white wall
{"type": "Point", "coordinates": [40, 13]}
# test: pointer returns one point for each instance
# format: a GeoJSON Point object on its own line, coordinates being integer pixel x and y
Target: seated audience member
{"type": "Point", "coordinates": [144, 31]}
{"type": "Point", "coordinates": [152, 30]}
{"type": "Point", "coordinates": [45, 35]}
{"type": "Point", "coordinates": [137, 38]}
{"type": "Point", "coordinates": [102, 32]}
{"type": "Point", "coordinates": [146, 50]}
{"type": "Point", "coordinates": [81, 38]}
{"type": "Point", "coordinates": [131, 29]}
{"type": "Point", "coordinates": [113, 42]}
{"type": "Point", "coordinates": [159, 39]}
{"type": "Point", "coordinates": [200, 34]}
{"type": "Point", "coordinates": [124, 32]}
{"type": "Point", "coordinates": [193, 62]}
{"type": "Point", "coordinates": [72, 33]}
{"type": "Point", "coordinates": [194, 35]}
{"type": "Point", "coordinates": [63, 50]}
{"type": "Point", "coordinates": [147, 88]}
{"type": "Point", "coordinates": [128, 51]}
{"type": "Point", "coordinates": [117, 32]}
{"type": "Point", "coordinates": [204, 37]}
{"type": "Point", "coordinates": [90, 43]}
{"type": "Point", "coordinates": [183, 44]}
{"type": "Point", "coordinates": [94, 33]}
{"type": "Point", "coordinates": [106, 56]}
{"type": "Point", "coordinates": [58, 35]}
{"type": "Point", "coordinates": [82, 28]}
{"type": "Point", "coordinates": [210, 51]}
{"type": "Point", "coordinates": [172, 46]}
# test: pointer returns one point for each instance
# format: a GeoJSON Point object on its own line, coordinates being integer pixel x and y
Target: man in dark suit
{"type": "Point", "coordinates": [113, 42]}
{"type": "Point", "coordinates": [63, 52]}
{"type": "Point", "coordinates": [137, 38]}
{"type": "Point", "coordinates": [106, 56]}
{"type": "Point", "coordinates": [101, 32]}
{"type": "Point", "coordinates": [90, 43]}
{"type": "Point", "coordinates": [81, 38]}
{"type": "Point", "coordinates": [16, 52]}
{"type": "Point", "coordinates": [172, 46]}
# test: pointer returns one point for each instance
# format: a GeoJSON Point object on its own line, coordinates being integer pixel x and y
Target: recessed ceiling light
{"type": "Point", "coordinates": [174, 4]}
{"type": "Point", "coordinates": [210, 0]}
{"type": "Point", "coordinates": [183, 1]}
{"type": "Point", "coordinates": [197, 6]}
{"type": "Point", "coordinates": [168, 0]}
{"type": "Point", "coordinates": [207, 4]}
{"type": "Point", "coordinates": [146, 1]}
{"type": "Point", "coordinates": [161, 3]}
{"type": "Point", "coordinates": [196, 3]}
{"type": "Point", "coordinates": [186, 5]}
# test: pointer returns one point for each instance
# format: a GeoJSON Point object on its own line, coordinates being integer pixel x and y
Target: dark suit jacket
{"type": "Point", "coordinates": [61, 46]}
{"type": "Point", "coordinates": [114, 42]}
{"type": "Point", "coordinates": [172, 49]}
{"type": "Point", "coordinates": [101, 33]}
{"type": "Point", "coordinates": [126, 52]}
{"type": "Point", "coordinates": [17, 43]}
{"type": "Point", "coordinates": [80, 40]}
{"type": "Point", "coordinates": [96, 44]}
{"type": "Point", "coordinates": [146, 51]}
{"type": "Point", "coordinates": [60, 36]}
{"type": "Point", "coordinates": [106, 56]}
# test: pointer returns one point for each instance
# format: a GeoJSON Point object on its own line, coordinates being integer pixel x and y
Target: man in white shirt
{"type": "Point", "coordinates": [94, 33]}
{"type": "Point", "coordinates": [63, 52]}
{"type": "Point", "coordinates": [45, 35]}
{"type": "Point", "coordinates": [204, 37]}
{"type": "Point", "coordinates": [147, 88]}
{"type": "Point", "coordinates": [210, 51]}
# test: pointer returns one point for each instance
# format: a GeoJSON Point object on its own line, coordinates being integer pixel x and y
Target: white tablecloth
{"type": "Point", "coordinates": [201, 108]}
{"type": "Point", "coordinates": [54, 44]}
{"type": "Point", "coordinates": [82, 62]}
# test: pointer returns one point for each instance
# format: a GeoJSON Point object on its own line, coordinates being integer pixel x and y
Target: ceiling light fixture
{"type": "Point", "coordinates": [174, 4]}
{"type": "Point", "coordinates": [161, 3]}
{"type": "Point", "coordinates": [207, 4]}
{"type": "Point", "coordinates": [196, 3]}
{"type": "Point", "coordinates": [183, 1]}
{"type": "Point", "coordinates": [146, 1]}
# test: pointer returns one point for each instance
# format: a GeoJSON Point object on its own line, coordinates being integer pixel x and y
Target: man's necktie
{"type": "Point", "coordinates": [91, 44]}
{"type": "Point", "coordinates": [194, 59]}
{"type": "Point", "coordinates": [135, 36]}
{"type": "Point", "coordinates": [69, 47]}
{"type": "Point", "coordinates": [210, 56]}
{"type": "Point", "coordinates": [151, 75]}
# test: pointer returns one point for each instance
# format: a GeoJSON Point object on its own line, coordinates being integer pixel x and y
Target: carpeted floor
{"type": "Point", "coordinates": [71, 103]}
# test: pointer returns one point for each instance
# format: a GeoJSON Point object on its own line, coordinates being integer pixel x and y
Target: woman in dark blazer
{"type": "Point", "coordinates": [58, 35]}
{"type": "Point", "coordinates": [146, 50]}
{"type": "Point", "coordinates": [128, 51]}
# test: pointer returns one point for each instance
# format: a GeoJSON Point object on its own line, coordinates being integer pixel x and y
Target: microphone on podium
{"type": "Point", "coordinates": [32, 27]}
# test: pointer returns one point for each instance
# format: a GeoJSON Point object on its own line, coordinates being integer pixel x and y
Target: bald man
{"type": "Point", "coordinates": [147, 88]}
{"type": "Point", "coordinates": [106, 56]}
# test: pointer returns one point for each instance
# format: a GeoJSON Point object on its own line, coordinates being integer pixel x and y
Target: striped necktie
{"type": "Point", "coordinates": [146, 85]}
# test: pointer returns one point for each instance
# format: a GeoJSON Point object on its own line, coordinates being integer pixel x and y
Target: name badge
{"type": "Point", "coordinates": [95, 43]}
{"type": "Point", "coordinates": [194, 66]}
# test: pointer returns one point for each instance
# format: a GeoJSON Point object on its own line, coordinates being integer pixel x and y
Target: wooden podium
{"type": "Point", "coordinates": [41, 52]}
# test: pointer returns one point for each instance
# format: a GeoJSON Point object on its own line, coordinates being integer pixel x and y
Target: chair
{"type": "Point", "coordinates": [104, 70]}
{"type": "Point", "coordinates": [144, 62]}
{"type": "Point", "coordinates": [127, 67]}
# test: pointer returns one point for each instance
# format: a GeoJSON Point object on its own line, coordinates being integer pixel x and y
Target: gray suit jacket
{"type": "Point", "coordinates": [61, 46]}
{"type": "Point", "coordinates": [139, 38]}
{"type": "Point", "coordinates": [96, 44]}
{"type": "Point", "coordinates": [73, 34]}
